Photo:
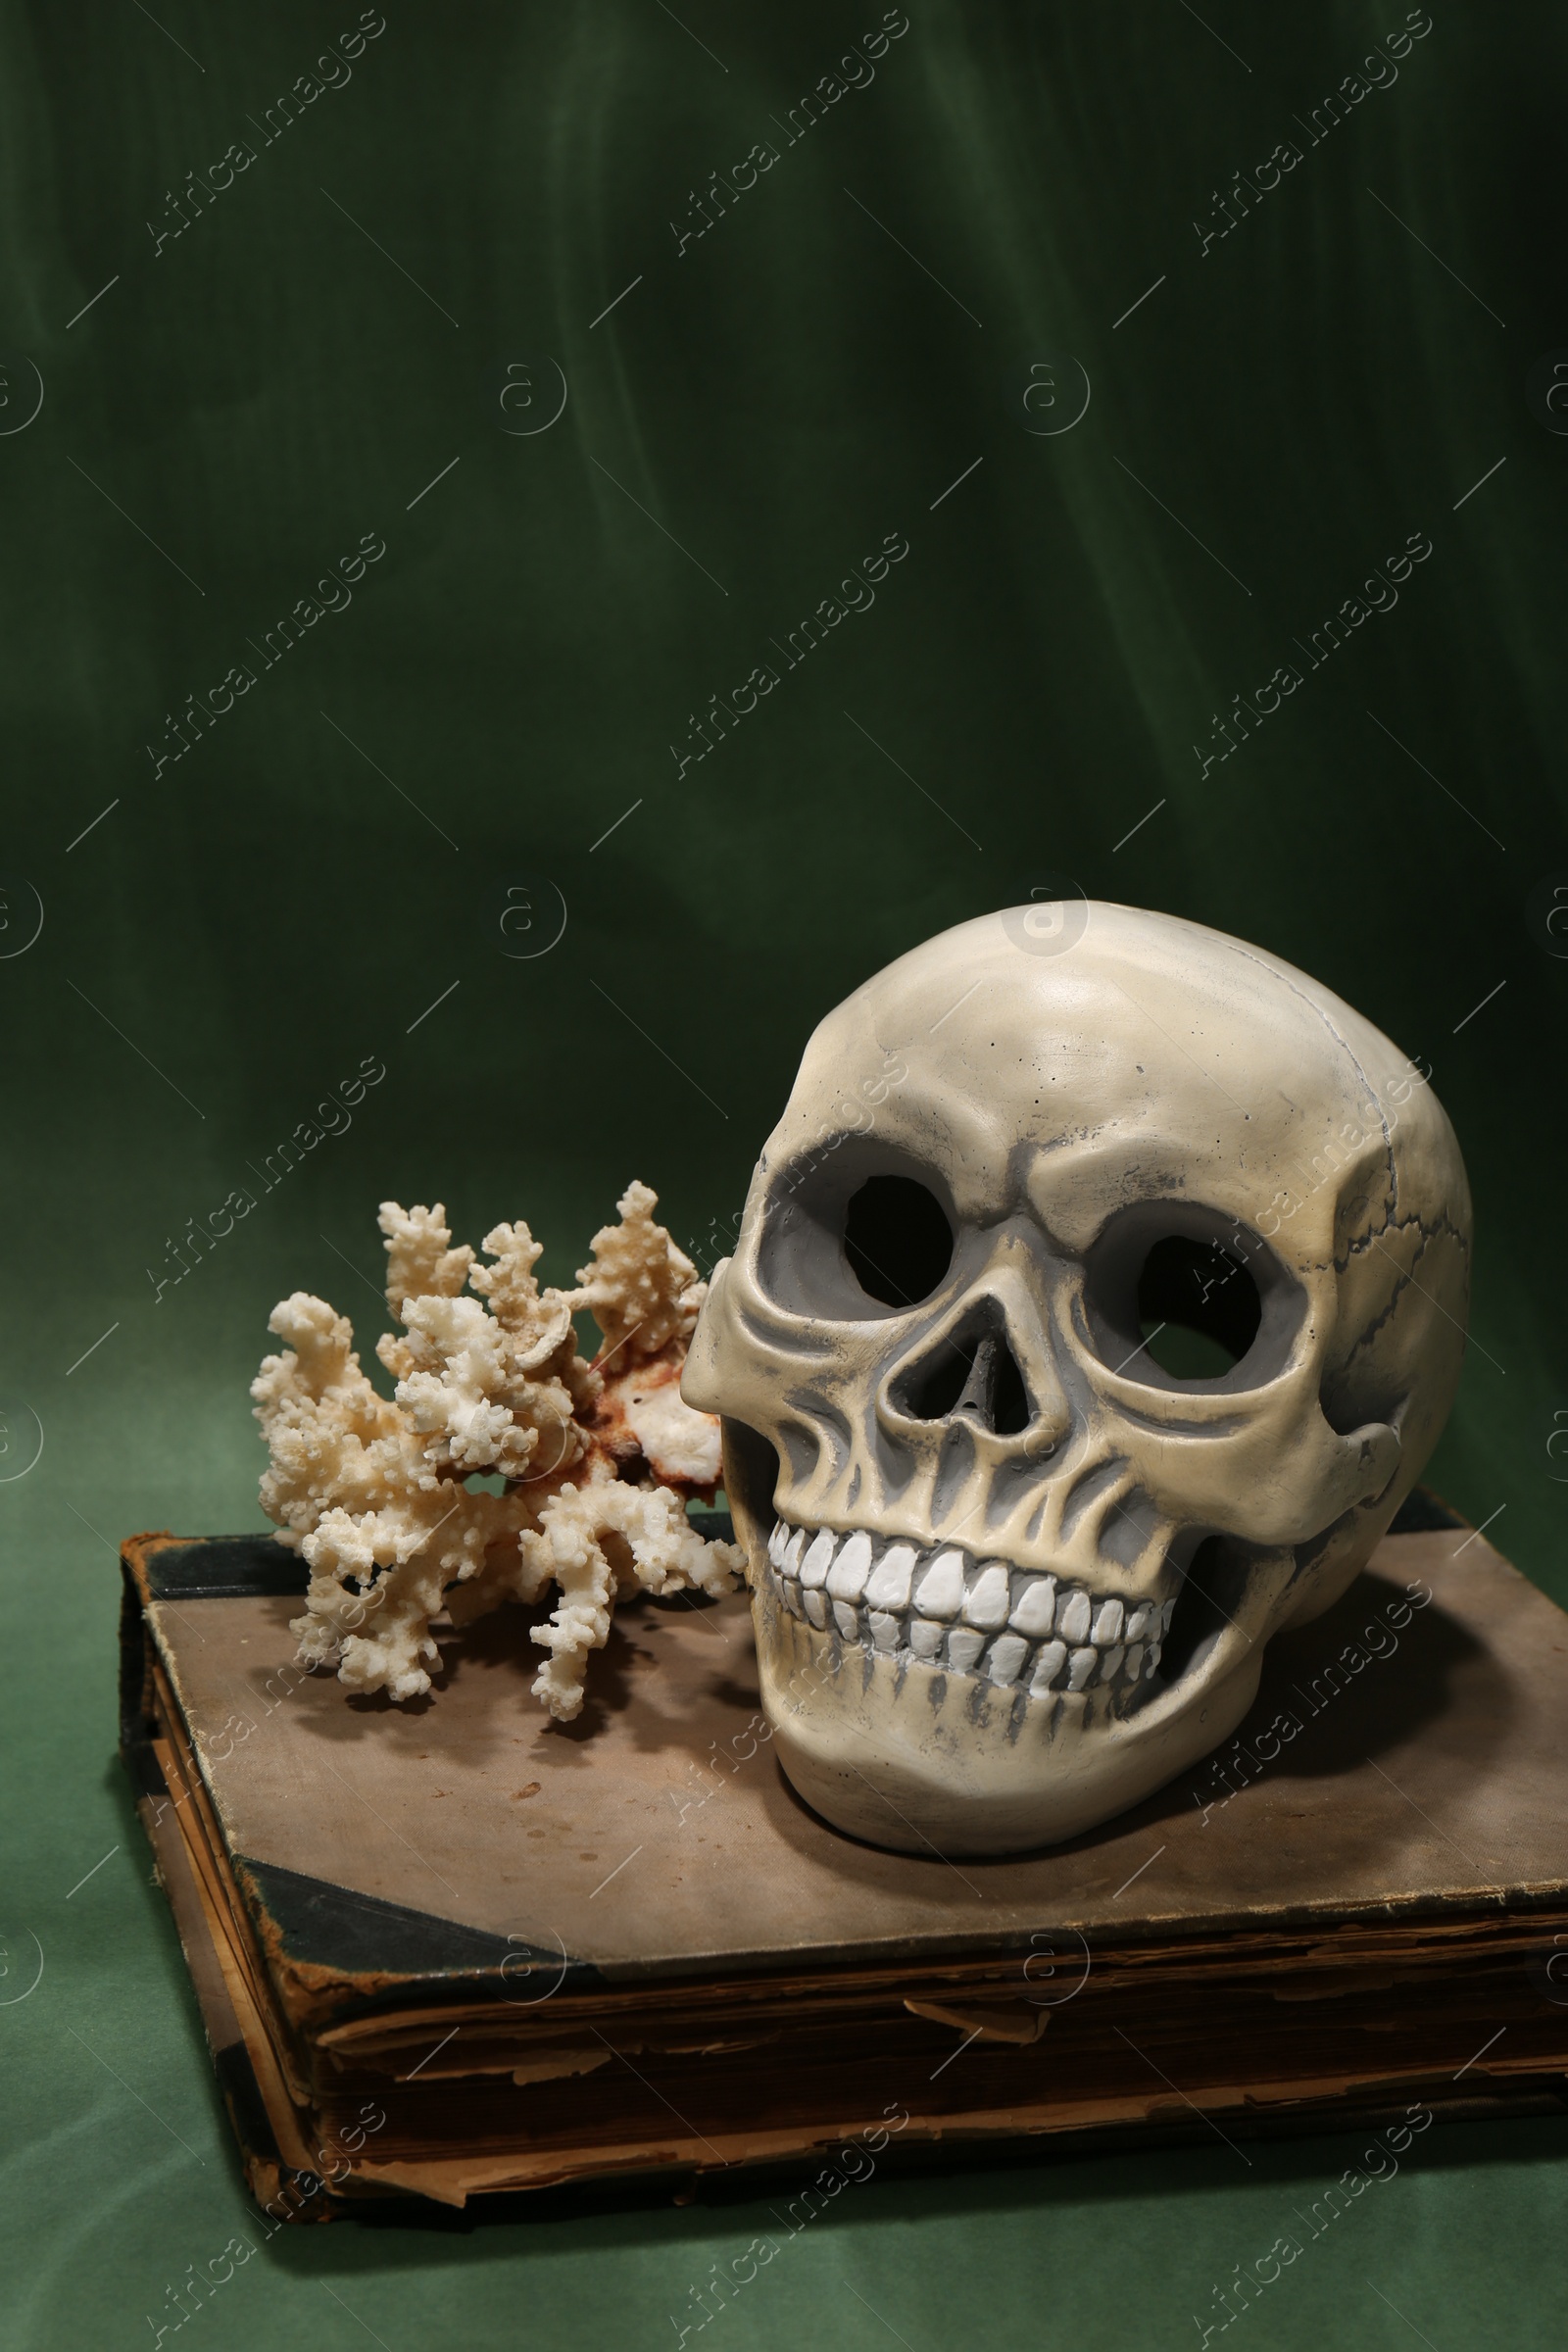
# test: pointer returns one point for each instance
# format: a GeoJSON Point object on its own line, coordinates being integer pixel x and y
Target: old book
{"type": "Point", "coordinates": [452, 1950]}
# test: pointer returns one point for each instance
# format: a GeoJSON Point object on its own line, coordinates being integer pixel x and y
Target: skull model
{"type": "Point", "coordinates": [1099, 1297]}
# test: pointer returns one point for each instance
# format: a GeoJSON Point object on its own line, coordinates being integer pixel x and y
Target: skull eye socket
{"type": "Point", "coordinates": [1199, 1307]}
{"type": "Point", "coordinates": [1179, 1295]}
{"type": "Point", "coordinates": [854, 1230]}
{"type": "Point", "coordinates": [898, 1240]}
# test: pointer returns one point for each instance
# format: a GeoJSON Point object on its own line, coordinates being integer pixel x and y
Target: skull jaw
{"type": "Point", "coordinates": [918, 1759]}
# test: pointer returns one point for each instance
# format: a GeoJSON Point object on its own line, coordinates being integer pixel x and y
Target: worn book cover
{"type": "Point", "coordinates": [454, 1948]}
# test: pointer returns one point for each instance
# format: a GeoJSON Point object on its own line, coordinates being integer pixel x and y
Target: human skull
{"type": "Point", "coordinates": [1014, 1559]}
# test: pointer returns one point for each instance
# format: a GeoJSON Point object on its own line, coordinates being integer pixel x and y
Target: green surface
{"type": "Point", "coordinates": [755, 415]}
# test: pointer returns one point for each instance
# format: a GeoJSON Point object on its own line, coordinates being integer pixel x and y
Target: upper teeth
{"type": "Point", "coordinates": [944, 1607]}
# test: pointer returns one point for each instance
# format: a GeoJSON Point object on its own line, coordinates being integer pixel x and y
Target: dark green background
{"type": "Point", "coordinates": [269, 910]}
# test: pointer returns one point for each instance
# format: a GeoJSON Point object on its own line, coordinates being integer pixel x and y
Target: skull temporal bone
{"type": "Point", "coordinates": [1009, 1572]}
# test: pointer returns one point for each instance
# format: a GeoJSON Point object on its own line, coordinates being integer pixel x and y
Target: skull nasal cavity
{"type": "Point", "coordinates": [972, 1375]}
{"type": "Point", "coordinates": [898, 1240]}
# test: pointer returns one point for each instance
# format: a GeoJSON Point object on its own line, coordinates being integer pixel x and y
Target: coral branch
{"type": "Point", "coordinates": [598, 1470]}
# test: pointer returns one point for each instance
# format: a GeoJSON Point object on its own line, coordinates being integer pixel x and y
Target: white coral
{"type": "Point", "coordinates": [640, 1286]}
{"type": "Point", "coordinates": [645, 1296]}
{"type": "Point", "coordinates": [371, 1492]}
{"type": "Point", "coordinates": [597, 1540]}
{"type": "Point", "coordinates": [420, 1258]}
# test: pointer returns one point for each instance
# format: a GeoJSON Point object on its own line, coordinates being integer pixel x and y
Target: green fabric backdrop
{"type": "Point", "coordinates": [359, 338]}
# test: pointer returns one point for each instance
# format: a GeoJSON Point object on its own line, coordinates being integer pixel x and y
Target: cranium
{"type": "Point", "coordinates": [1013, 1560]}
